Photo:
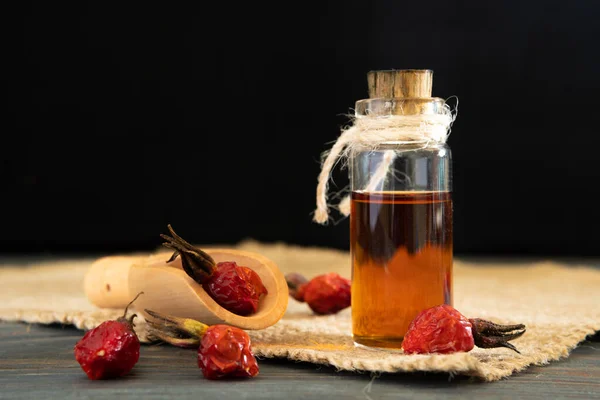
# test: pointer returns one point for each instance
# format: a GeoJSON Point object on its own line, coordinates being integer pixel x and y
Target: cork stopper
{"type": "Point", "coordinates": [400, 83]}
{"type": "Point", "coordinates": [400, 92]}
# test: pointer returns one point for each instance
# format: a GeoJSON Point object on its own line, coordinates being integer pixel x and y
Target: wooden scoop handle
{"type": "Point", "coordinates": [106, 283]}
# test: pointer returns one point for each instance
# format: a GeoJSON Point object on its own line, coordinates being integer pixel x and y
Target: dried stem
{"type": "Point", "coordinates": [130, 319]}
{"type": "Point", "coordinates": [180, 332]}
{"type": "Point", "coordinates": [196, 263]}
{"type": "Point", "coordinates": [488, 334]}
{"type": "Point", "coordinates": [295, 281]}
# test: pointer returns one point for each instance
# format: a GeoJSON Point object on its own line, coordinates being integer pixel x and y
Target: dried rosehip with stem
{"type": "Point", "coordinates": [324, 294]}
{"type": "Point", "coordinates": [111, 349]}
{"type": "Point", "coordinates": [223, 350]}
{"type": "Point", "coordinates": [442, 329]}
{"type": "Point", "coordinates": [236, 288]}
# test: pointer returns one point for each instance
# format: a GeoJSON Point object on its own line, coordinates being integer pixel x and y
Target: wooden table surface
{"type": "Point", "coordinates": [37, 362]}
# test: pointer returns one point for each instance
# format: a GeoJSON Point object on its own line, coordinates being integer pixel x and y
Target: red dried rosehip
{"type": "Point", "coordinates": [324, 294]}
{"type": "Point", "coordinates": [235, 288]}
{"type": "Point", "coordinates": [442, 329]}
{"type": "Point", "coordinates": [225, 351]}
{"type": "Point", "coordinates": [439, 329]}
{"type": "Point", "coordinates": [110, 350]}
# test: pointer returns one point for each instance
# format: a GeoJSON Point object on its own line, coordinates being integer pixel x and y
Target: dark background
{"type": "Point", "coordinates": [119, 119]}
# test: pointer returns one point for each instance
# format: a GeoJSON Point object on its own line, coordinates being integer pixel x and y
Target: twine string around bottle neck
{"type": "Point", "coordinates": [369, 132]}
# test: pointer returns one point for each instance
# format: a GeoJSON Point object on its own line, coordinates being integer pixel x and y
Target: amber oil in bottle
{"type": "Point", "coordinates": [402, 261]}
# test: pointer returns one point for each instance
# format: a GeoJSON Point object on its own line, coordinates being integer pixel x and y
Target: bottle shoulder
{"type": "Point", "coordinates": [441, 150]}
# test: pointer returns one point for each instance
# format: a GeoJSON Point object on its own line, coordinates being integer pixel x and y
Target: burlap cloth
{"type": "Point", "coordinates": [558, 303]}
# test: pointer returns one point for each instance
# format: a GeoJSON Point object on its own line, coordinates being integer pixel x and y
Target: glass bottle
{"type": "Point", "coordinates": [401, 224]}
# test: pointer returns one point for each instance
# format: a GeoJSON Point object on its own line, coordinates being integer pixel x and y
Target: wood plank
{"type": "Point", "coordinates": [37, 361]}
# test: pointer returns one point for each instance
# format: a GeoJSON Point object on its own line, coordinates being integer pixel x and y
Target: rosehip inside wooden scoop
{"type": "Point", "coordinates": [113, 281]}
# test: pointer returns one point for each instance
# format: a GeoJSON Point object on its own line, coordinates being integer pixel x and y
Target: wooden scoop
{"type": "Point", "coordinates": [112, 282]}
